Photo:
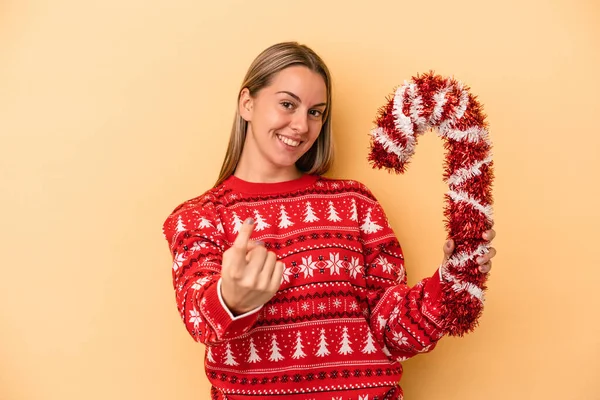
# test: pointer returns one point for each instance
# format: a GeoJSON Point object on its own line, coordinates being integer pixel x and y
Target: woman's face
{"type": "Point", "coordinates": [284, 118]}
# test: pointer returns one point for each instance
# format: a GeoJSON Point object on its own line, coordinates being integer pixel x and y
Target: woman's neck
{"type": "Point", "coordinates": [265, 175]}
{"type": "Point", "coordinates": [253, 167]}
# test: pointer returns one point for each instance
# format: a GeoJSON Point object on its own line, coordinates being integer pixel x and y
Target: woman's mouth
{"type": "Point", "coordinates": [288, 141]}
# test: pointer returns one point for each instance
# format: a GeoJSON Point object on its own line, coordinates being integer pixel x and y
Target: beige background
{"type": "Point", "coordinates": [113, 112]}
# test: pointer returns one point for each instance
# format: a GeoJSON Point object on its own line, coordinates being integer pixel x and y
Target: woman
{"type": "Point", "coordinates": [295, 282]}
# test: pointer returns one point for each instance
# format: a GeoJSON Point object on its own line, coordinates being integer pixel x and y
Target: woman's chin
{"type": "Point", "coordinates": [285, 162]}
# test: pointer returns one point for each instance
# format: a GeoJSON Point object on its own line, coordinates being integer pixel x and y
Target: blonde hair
{"type": "Point", "coordinates": [318, 159]}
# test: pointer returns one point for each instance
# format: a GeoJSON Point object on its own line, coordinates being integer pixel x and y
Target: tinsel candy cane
{"type": "Point", "coordinates": [445, 105]}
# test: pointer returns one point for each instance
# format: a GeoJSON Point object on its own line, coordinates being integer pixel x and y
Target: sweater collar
{"type": "Point", "coordinates": [243, 186]}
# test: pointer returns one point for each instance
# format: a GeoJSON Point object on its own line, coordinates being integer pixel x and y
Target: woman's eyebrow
{"type": "Point", "coordinates": [298, 98]}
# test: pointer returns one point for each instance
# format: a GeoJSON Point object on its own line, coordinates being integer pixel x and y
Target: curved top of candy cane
{"type": "Point", "coordinates": [429, 101]}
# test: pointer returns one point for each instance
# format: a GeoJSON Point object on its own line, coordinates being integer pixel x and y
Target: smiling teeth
{"type": "Point", "coordinates": [288, 141]}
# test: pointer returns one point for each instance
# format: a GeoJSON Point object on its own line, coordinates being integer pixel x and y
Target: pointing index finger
{"type": "Point", "coordinates": [241, 241]}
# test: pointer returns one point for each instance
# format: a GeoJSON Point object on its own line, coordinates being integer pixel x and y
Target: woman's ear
{"type": "Point", "coordinates": [245, 105]}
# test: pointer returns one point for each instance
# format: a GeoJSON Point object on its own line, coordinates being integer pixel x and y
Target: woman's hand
{"type": "Point", "coordinates": [484, 261]}
{"type": "Point", "coordinates": [250, 275]}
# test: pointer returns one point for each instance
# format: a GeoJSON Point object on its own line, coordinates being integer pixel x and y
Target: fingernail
{"type": "Point", "coordinates": [448, 244]}
{"type": "Point", "coordinates": [259, 242]}
{"type": "Point", "coordinates": [480, 260]}
{"type": "Point", "coordinates": [250, 221]}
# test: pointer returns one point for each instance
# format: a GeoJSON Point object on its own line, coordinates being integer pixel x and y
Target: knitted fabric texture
{"type": "Point", "coordinates": [343, 318]}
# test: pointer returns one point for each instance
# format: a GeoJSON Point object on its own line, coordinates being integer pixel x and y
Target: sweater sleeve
{"type": "Point", "coordinates": [404, 320]}
{"type": "Point", "coordinates": [197, 243]}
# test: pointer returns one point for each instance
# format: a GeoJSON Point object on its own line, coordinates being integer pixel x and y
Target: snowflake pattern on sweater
{"type": "Point", "coordinates": [343, 318]}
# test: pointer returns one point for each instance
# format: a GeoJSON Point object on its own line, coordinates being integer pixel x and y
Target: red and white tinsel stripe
{"type": "Point", "coordinates": [428, 102]}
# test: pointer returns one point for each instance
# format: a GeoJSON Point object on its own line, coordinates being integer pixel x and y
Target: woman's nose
{"type": "Point", "coordinates": [300, 122]}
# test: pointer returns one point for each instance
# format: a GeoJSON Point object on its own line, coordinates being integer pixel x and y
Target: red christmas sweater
{"type": "Point", "coordinates": [343, 318]}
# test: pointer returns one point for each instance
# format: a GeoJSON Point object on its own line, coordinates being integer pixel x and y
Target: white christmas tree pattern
{"type": "Point", "coordinates": [220, 227]}
{"type": "Point", "coordinates": [365, 397]}
{"type": "Point", "coordinates": [353, 211]}
{"type": "Point", "coordinates": [322, 351]}
{"type": "Point", "coordinates": [204, 223]}
{"type": "Point", "coordinates": [237, 223]}
{"type": "Point", "coordinates": [345, 348]}
{"type": "Point", "coordinates": [333, 215]}
{"type": "Point", "coordinates": [369, 344]}
{"type": "Point", "coordinates": [284, 220]}
{"type": "Point", "coordinates": [180, 225]}
{"type": "Point", "coordinates": [229, 358]}
{"type": "Point", "coordinates": [260, 222]}
{"type": "Point", "coordinates": [275, 350]}
{"type": "Point", "coordinates": [253, 356]}
{"type": "Point", "coordinates": [310, 214]}
{"type": "Point", "coordinates": [368, 225]}
{"type": "Point", "coordinates": [299, 353]}
{"type": "Point", "coordinates": [209, 355]}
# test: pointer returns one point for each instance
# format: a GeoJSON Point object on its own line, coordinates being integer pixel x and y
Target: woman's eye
{"type": "Point", "coordinates": [316, 113]}
{"type": "Point", "coordinates": [287, 104]}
